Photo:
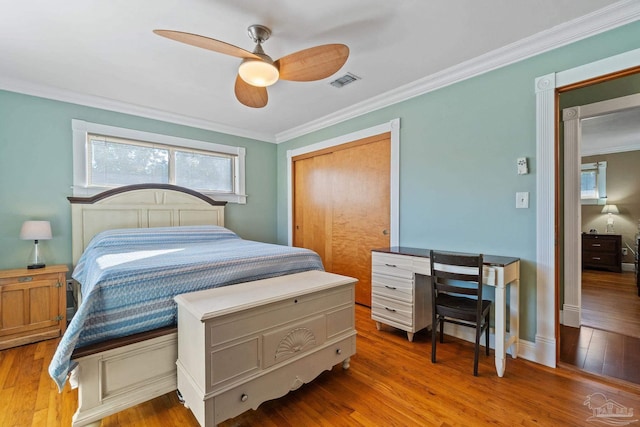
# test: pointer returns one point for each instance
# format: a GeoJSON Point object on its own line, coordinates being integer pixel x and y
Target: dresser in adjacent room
{"type": "Point", "coordinates": [602, 251]}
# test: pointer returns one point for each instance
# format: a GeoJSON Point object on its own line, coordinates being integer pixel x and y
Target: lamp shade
{"type": "Point", "coordinates": [35, 230]}
{"type": "Point", "coordinates": [610, 209]}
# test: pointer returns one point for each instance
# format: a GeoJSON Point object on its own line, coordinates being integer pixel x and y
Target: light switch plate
{"type": "Point", "coordinates": [522, 200]}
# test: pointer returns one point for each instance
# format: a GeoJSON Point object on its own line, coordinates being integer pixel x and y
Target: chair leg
{"type": "Point", "coordinates": [434, 340]}
{"type": "Point", "coordinates": [476, 351]}
{"type": "Point", "coordinates": [486, 333]}
{"type": "Point", "coordinates": [442, 329]}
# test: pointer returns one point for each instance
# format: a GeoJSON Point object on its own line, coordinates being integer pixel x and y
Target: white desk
{"type": "Point", "coordinates": [499, 272]}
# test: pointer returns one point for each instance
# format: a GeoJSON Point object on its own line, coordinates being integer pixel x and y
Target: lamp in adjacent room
{"type": "Point", "coordinates": [35, 230]}
{"type": "Point", "coordinates": [610, 210]}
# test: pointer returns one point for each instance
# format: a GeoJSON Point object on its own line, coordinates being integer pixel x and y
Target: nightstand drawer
{"type": "Point", "coordinates": [596, 259]}
{"type": "Point", "coordinates": [29, 278]}
{"type": "Point", "coordinates": [602, 251]}
{"type": "Point", "coordinates": [599, 245]}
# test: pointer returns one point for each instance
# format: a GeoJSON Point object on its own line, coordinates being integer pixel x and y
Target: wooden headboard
{"type": "Point", "coordinates": [139, 206]}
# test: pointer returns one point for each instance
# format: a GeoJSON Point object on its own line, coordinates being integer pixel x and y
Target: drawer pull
{"type": "Point", "coordinates": [391, 265]}
{"type": "Point", "coordinates": [25, 279]}
{"type": "Point", "coordinates": [390, 309]}
{"type": "Point", "coordinates": [244, 397]}
{"type": "Point", "coordinates": [393, 288]}
{"type": "Point", "coordinates": [338, 351]}
{"type": "Point", "coordinates": [596, 245]}
{"type": "Point", "coordinates": [596, 258]}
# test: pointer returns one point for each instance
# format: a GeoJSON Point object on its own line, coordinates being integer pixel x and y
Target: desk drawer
{"type": "Point", "coordinates": [396, 311]}
{"type": "Point", "coordinates": [391, 265]}
{"type": "Point", "coordinates": [392, 287]}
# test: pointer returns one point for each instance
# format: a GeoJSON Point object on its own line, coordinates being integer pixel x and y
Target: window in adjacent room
{"type": "Point", "coordinates": [108, 157]}
{"type": "Point", "coordinates": [593, 183]}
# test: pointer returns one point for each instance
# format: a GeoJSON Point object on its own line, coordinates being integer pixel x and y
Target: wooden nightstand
{"type": "Point", "coordinates": [33, 305]}
{"type": "Point", "coordinates": [602, 251]}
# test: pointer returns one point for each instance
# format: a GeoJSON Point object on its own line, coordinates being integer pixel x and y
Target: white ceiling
{"type": "Point", "coordinates": [611, 133]}
{"type": "Point", "coordinates": [103, 52]}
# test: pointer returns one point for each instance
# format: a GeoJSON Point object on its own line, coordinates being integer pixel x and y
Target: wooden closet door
{"type": "Point", "coordinates": [312, 204]}
{"type": "Point", "coordinates": [342, 206]}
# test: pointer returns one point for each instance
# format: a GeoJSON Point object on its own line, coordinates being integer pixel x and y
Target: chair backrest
{"type": "Point", "coordinates": [449, 269]}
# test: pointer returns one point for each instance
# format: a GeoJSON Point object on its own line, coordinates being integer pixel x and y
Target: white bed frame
{"type": "Point", "coordinates": [119, 374]}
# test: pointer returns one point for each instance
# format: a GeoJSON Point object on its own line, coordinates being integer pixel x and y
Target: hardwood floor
{"type": "Point", "coordinates": [391, 382]}
{"type": "Point", "coordinates": [608, 342]}
{"type": "Point", "coordinates": [601, 352]}
{"type": "Point", "coordinates": [610, 302]}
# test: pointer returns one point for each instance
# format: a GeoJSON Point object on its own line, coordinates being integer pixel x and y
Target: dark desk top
{"type": "Point", "coordinates": [500, 261]}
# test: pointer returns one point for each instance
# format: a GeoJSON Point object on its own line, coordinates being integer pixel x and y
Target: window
{"type": "Point", "coordinates": [593, 183]}
{"type": "Point", "coordinates": [107, 157]}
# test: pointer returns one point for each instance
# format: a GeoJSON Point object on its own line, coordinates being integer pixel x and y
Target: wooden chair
{"type": "Point", "coordinates": [454, 301]}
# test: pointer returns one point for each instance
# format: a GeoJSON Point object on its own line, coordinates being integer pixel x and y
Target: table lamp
{"type": "Point", "coordinates": [35, 230]}
{"type": "Point", "coordinates": [609, 210]}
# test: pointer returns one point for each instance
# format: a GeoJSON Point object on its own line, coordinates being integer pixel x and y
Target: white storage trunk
{"type": "Point", "coordinates": [241, 345]}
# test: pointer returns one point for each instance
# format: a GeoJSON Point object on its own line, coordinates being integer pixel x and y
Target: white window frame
{"type": "Point", "coordinates": [601, 182]}
{"type": "Point", "coordinates": [81, 129]}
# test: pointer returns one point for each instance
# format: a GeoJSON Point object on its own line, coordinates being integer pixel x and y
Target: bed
{"type": "Point", "coordinates": [134, 249]}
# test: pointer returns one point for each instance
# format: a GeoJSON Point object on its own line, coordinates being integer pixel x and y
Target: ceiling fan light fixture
{"type": "Point", "coordinates": [258, 73]}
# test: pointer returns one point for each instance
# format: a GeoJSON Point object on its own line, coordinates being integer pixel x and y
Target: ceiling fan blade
{"type": "Point", "coordinates": [251, 96]}
{"type": "Point", "coordinates": [314, 63]}
{"type": "Point", "coordinates": [206, 43]}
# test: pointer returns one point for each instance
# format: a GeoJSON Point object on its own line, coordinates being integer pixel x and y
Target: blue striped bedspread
{"type": "Point", "coordinates": [129, 277]}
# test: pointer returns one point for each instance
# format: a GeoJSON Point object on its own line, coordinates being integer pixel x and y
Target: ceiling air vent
{"type": "Point", "coordinates": [344, 80]}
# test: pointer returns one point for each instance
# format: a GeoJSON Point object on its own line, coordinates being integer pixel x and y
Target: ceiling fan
{"type": "Point", "coordinates": [258, 70]}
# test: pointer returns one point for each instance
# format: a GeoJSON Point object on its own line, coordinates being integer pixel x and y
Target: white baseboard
{"type": "Point", "coordinates": [628, 266]}
{"type": "Point", "coordinates": [570, 315]}
{"type": "Point", "coordinates": [542, 351]}
{"type": "Point", "coordinates": [527, 350]}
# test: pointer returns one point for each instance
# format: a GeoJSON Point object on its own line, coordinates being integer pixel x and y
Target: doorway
{"type": "Point", "coordinates": [600, 312]}
{"type": "Point", "coordinates": [601, 133]}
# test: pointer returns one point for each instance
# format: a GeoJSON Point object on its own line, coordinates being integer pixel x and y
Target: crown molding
{"type": "Point", "coordinates": [49, 92]}
{"type": "Point", "coordinates": [610, 17]}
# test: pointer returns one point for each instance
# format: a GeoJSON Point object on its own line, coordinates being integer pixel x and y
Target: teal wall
{"type": "Point", "coordinates": [36, 173]}
{"type": "Point", "coordinates": [458, 151]}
